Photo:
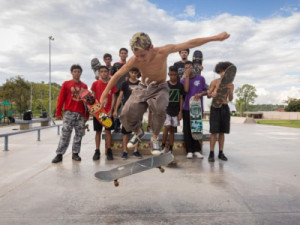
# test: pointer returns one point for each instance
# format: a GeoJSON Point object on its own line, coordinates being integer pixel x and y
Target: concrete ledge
{"type": "Point", "coordinates": [145, 147]}
{"type": "Point", "coordinates": [27, 124]}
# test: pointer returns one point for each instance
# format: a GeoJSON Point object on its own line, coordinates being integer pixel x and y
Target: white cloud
{"type": "Point", "coordinates": [189, 12]}
{"type": "Point", "coordinates": [266, 52]}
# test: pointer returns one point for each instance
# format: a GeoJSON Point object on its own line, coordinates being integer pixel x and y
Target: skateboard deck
{"type": "Point", "coordinates": [222, 90]}
{"type": "Point", "coordinates": [196, 118]}
{"type": "Point", "coordinates": [94, 108]}
{"type": "Point", "coordinates": [134, 167]}
{"type": "Point", "coordinates": [197, 60]}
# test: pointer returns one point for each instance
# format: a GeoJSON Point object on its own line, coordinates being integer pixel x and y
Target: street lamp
{"type": "Point", "coordinates": [50, 39]}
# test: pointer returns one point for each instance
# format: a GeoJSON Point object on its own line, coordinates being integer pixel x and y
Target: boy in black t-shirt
{"type": "Point", "coordinates": [123, 53]}
{"type": "Point", "coordinates": [125, 91]}
{"type": "Point", "coordinates": [174, 109]}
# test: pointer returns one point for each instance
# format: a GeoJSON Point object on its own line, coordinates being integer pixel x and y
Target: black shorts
{"type": "Point", "coordinates": [125, 131]}
{"type": "Point", "coordinates": [219, 119]}
{"type": "Point", "coordinates": [99, 127]}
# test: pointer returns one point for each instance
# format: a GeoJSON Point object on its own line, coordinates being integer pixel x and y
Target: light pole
{"type": "Point", "coordinates": [50, 39]}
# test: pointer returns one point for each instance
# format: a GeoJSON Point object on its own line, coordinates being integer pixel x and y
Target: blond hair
{"type": "Point", "coordinates": [141, 41]}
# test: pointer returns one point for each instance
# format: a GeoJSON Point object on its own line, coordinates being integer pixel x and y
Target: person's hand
{"type": "Point", "coordinates": [103, 101]}
{"type": "Point", "coordinates": [223, 36]}
{"type": "Point", "coordinates": [115, 114]}
{"type": "Point", "coordinates": [197, 96]}
{"type": "Point", "coordinates": [188, 71]}
{"type": "Point", "coordinates": [230, 87]}
{"type": "Point", "coordinates": [179, 117]}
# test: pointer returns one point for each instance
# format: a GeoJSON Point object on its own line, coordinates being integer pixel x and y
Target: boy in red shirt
{"type": "Point", "coordinates": [75, 115]}
{"type": "Point", "coordinates": [98, 88]}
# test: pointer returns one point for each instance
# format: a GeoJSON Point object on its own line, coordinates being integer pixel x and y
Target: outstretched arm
{"type": "Point", "coordinates": [196, 42]}
{"type": "Point", "coordinates": [113, 81]}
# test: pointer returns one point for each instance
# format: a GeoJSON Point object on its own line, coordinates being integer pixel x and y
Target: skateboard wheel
{"type": "Point", "coordinates": [162, 170]}
{"type": "Point", "coordinates": [116, 183]}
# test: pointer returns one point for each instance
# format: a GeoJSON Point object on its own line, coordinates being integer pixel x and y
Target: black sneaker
{"type": "Point", "coordinates": [96, 155]}
{"type": "Point", "coordinates": [57, 159]}
{"type": "Point", "coordinates": [211, 158]}
{"type": "Point", "coordinates": [124, 155]}
{"type": "Point", "coordinates": [222, 156]}
{"type": "Point", "coordinates": [109, 154]}
{"type": "Point", "coordinates": [137, 154]}
{"type": "Point", "coordinates": [76, 157]}
{"type": "Point", "coordinates": [135, 139]}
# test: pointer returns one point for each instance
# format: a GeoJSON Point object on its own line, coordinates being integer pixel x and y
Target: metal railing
{"type": "Point", "coordinates": [38, 129]}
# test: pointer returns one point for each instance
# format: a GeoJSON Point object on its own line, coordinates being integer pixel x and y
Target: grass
{"type": "Point", "coordinates": [282, 123]}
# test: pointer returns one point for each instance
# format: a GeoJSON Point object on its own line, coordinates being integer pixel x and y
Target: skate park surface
{"type": "Point", "coordinates": [259, 184]}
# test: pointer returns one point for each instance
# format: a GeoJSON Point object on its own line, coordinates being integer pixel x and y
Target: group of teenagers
{"type": "Point", "coordinates": [140, 84]}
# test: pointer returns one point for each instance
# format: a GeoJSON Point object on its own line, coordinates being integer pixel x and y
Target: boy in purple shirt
{"type": "Point", "coordinates": [194, 85]}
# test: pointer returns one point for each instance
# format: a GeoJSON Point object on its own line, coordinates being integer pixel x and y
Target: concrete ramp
{"type": "Point", "coordinates": [235, 119]}
{"type": "Point", "coordinates": [250, 120]}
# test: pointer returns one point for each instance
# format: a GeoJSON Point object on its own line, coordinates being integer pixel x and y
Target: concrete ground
{"type": "Point", "coordinates": [260, 184]}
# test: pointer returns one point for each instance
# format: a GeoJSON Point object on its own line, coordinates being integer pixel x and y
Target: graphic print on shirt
{"type": "Point", "coordinates": [197, 83]}
{"type": "Point", "coordinates": [174, 95]}
{"type": "Point", "coordinates": [75, 93]}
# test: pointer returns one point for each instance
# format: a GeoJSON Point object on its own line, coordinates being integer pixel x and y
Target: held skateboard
{"type": "Point", "coordinates": [223, 90]}
{"type": "Point", "coordinates": [135, 167]}
{"type": "Point", "coordinates": [95, 65]}
{"type": "Point", "coordinates": [197, 61]}
{"type": "Point", "coordinates": [196, 118]}
{"type": "Point", "coordinates": [94, 108]}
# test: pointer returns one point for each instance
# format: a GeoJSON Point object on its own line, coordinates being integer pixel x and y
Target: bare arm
{"type": "Point", "coordinates": [113, 81]}
{"type": "Point", "coordinates": [196, 42]}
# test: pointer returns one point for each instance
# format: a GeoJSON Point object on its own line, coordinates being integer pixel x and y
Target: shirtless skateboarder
{"type": "Point", "coordinates": [153, 91]}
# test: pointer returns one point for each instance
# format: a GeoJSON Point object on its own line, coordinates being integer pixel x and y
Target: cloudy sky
{"type": "Point", "coordinates": [264, 42]}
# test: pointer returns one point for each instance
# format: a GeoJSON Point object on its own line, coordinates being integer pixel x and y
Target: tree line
{"type": "Point", "coordinates": [27, 95]}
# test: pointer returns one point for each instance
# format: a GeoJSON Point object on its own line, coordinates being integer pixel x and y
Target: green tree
{"type": "Point", "coordinates": [17, 90]}
{"type": "Point", "coordinates": [246, 95]}
{"type": "Point", "coordinates": [293, 105]}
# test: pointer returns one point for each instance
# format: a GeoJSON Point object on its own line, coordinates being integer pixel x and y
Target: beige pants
{"type": "Point", "coordinates": [154, 96]}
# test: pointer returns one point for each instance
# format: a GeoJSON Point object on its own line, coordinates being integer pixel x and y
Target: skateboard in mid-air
{"type": "Point", "coordinates": [197, 61]}
{"type": "Point", "coordinates": [223, 90]}
{"type": "Point", "coordinates": [135, 167]}
{"type": "Point", "coordinates": [196, 118]}
{"type": "Point", "coordinates": [94, 108]}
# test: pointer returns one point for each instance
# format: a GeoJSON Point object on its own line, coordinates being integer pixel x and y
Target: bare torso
{"type": "Point", "coordinates": [156, 68]}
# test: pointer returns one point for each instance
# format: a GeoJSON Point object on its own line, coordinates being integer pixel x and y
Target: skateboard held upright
{"type": "Point", "coordinates": [94, 108]}
{"type": "Point", "coordinates": [223, 90]}
{"type": "Point", "coordinates": [197, 61]}
{"type": "Point", "coordinates": [134, 167]}
{"type": "Point", "coordinates": [196, 118]}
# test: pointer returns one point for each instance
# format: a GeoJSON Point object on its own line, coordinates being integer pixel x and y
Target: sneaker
{"type": "Point", "coordinates": [156, 150]}
{"type": "Point", "coordinates": [109, 154]}
{"type": "Point", "coordinates": [96, 155]}
{"type": "Point", "coordinates": [211, 158]}
{"type": "Point", "coordinates": [58, 158]}
{"type": "Point", "coordinates": [198, 155]}
{"type": "Point", "coordinates": [137, 154]}
{"type": "Point", "coordinates": [222, 156]}
{"type": "Point", "coordinates": [124, 155]}
{"type": "Point", "coordinates": [76, 157]}
{"type": "Point", "coordinates": [135, 139]}
{"type": "Point", "coordinates": [189, 155]}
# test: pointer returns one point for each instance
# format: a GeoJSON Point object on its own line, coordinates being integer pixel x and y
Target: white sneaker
{"type": "Point", "coordinates": [189, 155]}
{"type": "Point", "coordinates": [156, 149]}
{"type": "Point", "coordinates": [198, 155]}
